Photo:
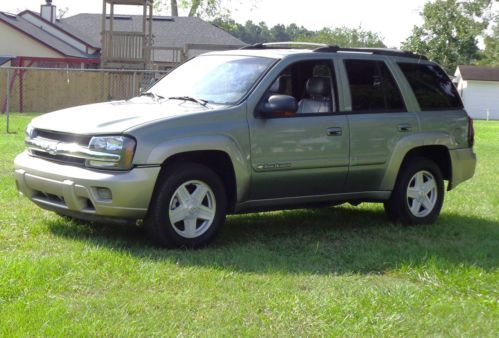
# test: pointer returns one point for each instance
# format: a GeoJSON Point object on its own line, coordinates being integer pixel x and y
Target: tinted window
{"type": "Point", "coordinates": [432, 86]}
{"type": "Point", "coordinates": [372, 87]}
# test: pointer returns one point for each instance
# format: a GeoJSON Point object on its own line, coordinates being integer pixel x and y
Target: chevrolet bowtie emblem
{"type": "Point", "coordinates": [51, 148]}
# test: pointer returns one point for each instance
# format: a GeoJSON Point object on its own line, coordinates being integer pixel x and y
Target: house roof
{"type": "Point", "coordinates": [4, 59]}
{"type": "Point", "coordinates": [56, 25]}
{"type": "Point", "coordinates": [478, 73]}
{"type": "Point", "coordinates": [20, 24]}
{"type": "Point", "coordinates": [168, 31]}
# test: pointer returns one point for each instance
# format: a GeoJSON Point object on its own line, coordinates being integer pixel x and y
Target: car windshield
{"type": "Point", "coordinates": [221, 79]}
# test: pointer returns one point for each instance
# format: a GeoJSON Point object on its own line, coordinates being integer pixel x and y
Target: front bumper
{"type": "Point", "coordinates": [85, 193]}
{"type": "Point", "coordinates": [463, 165]}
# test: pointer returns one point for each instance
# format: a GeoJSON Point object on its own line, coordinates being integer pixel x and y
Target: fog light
{"type": "Point", "coordinates": [104, 193]}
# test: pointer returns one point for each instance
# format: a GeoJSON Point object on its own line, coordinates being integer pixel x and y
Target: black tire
{"type": "Point", "coordinates": [169, 234]}
{"type": "Point", "coordinates": [398, 207]}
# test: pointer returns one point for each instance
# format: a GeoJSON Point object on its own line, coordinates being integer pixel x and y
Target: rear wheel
{"type": "Point", "coordinates": [418, 194]}
{"type": "Point", "coordinates": [189, 207]}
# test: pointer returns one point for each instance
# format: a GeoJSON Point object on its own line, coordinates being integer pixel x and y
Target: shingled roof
{"type": "Point", "coordinates": [168, 31]}
{"type": "Point", "coordinates": [478, 73]}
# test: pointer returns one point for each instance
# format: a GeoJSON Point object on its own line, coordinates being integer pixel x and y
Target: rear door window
{"type": "Point", "coordinates": [431, 86]}
{"type": "Point", "coordinates": [372, 87]}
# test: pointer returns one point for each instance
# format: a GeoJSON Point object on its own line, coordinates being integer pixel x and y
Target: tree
{"type": "Point", "coordinates": [174, 7]}
{"type": "Point", "coordinates": [449, 32]}
{"type": "Point", "coordinates": [61, 12]}
{"type": "Point", "coordinates": [344, 37]}
{"type": "Point", "coordinates": [255, 33]}
{"type": "Point", "coordinates": [279, 33]}
{"type": "Point", "coordinates": [200, 8]}
{"type": "Point", "coordinates": [490, 55]}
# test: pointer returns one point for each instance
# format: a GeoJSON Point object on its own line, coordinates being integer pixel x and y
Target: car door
{"type": "Point", "coordinates": [304, 153]}
{"type": "Point", "coordinates": [378, 120]}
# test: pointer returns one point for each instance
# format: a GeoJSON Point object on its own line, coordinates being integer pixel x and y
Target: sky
{"type": "Point", "coordinates": [392, 19]}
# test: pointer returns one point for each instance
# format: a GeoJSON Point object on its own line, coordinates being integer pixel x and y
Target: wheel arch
{"type": "Point", "coordinates": [419, 207]}
{"type": "Point", "coordinates": [218, 161]}
{"type": "Point", "coordinates": [437, 153]}
{"type": "Point", "coordinates": [202, 149]}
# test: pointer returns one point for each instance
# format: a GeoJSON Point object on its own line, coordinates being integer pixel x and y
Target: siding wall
{"type": "Point", "coordinates": [478, 96]}
{"type": "Point", "coordinates": [15, 43]}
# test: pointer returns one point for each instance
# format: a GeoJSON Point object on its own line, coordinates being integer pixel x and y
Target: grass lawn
{"type": "Point", "coordinates": [342, 271]}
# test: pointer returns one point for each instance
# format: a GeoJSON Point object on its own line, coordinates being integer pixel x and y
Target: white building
{"type": "Point", "coordinates": [479, 89]}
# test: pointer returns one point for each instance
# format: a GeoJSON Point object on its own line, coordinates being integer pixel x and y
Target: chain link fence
{"type": "Point", "coordinates": [41, 90]}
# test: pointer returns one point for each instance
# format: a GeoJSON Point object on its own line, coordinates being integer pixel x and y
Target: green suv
{"type": "Point", "coordinates": [266, 127]}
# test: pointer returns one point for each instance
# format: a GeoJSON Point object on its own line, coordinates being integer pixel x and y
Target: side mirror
{"type": "Point", "coordinates": [278, 104]}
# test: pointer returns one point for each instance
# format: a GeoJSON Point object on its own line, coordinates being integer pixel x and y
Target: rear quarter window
{"type": "Point", "coordinates": [431, 86]}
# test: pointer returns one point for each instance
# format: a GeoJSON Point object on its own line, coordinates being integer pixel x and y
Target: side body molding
{"type": "Point", "coordinates": [222, 143]}
{"type": "Point", "coordinates": [409, 143]}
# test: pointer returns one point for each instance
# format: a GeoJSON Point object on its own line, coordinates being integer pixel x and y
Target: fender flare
{"type": "Point", "coordinates": [408, 143]}
{"type": "Point", "coordinates": [222, 143]}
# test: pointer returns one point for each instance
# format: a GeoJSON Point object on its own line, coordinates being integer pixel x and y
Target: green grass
{"type": "Point", "coordinates": [341, 271]}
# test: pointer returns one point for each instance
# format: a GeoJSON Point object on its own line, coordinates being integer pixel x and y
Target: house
{"type": "Point", "coordinates": [479, 89]}
{"type": "Point", "coordinates": [39, 39]}
{"type": "Point", "coordinates": [5, 60]}
{"type": "Point", "coordinates": [175, 39]}
{"type": "Point", "coordinates": [28, 39]}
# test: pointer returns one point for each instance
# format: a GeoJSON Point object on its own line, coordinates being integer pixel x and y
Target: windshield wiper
{"type": "Point", "coordinates": [189, 98]}
{"type": "Point", "coordinates": [153, 95]}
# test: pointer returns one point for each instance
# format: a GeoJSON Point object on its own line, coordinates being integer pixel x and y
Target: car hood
{"type": "Point", "coordinates": [115, 116]}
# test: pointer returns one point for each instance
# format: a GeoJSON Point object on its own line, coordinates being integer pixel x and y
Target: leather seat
{"type": "Point", "coordinates": [277, 88]}
{"type": "Point", "coordinates": [280, 85]}
{"type": "Point", "coordinates": [319, 101]}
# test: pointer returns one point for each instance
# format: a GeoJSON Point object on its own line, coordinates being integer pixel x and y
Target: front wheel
{"type": "Point", "coordinates": [188, 208]}
{"type": "Point", "coordinates": [418, 194]}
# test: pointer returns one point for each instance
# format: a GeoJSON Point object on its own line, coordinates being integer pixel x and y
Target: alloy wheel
{"type": "Point", "coordinates": [192, 209]}
{"type": "Point", "coordinates": [422, 193]}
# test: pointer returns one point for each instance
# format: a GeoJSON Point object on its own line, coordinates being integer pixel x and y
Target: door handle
{"type": "Point", "coordinates": [404, 127]}
{"type": "Point", "coordinates": [334, 131]}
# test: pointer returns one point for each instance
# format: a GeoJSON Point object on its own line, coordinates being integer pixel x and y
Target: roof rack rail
{"type": "Point", "coordinates": [284, 45]}
{"type": "Point", "coordinates": [377, 51]}
{"type": "Point", "coordinates": [325, 48]}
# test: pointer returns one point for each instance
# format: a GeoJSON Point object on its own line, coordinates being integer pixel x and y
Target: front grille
{"type": "Point", "coordinates": [82, 140]}
{"type": "Point", "coordinates": [58, 137]}
{"type": "Point", "coordinates": [59, 158]}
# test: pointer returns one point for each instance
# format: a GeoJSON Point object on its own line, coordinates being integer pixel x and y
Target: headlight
{"type": "Point", "coordinates": [124, 146]}
{"type": "Point", "coordinates": [30, 132]}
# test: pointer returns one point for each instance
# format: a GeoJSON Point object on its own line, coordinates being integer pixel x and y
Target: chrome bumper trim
{"type": "Point", "coordinates": [70, 150]}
